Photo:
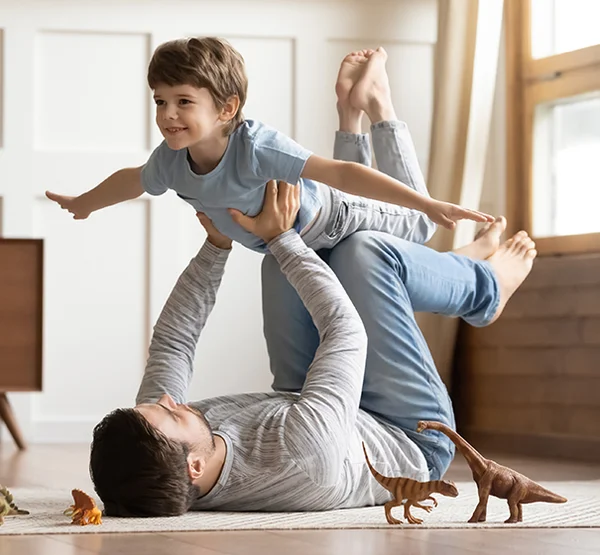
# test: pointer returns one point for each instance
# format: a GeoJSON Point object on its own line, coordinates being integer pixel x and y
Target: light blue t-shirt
{"type": "Point", "coordinates": [255, 154]}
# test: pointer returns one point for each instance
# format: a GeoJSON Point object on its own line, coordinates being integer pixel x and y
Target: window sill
{"type": "Point", "coordinates": [568, 244]}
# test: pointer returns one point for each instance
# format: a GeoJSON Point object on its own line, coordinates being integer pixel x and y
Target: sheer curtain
{"type": "Point", "coordinates": [466, 63]}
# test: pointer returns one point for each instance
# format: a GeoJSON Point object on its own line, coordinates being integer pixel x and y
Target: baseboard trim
{"type": "Point", "coordinates": [545, 446]}
{"type": "Point", "coordinates": [54, 431]}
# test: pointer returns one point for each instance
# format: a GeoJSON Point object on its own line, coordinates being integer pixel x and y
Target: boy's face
{"type": "Point", "coordinates": [186, 115]}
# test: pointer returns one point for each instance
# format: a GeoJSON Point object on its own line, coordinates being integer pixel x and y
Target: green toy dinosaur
{"type": "Point", "coordinates": [7, 505]}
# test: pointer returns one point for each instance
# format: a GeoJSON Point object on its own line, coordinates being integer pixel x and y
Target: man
{"type": "Point", "coordinates": [299, 447]}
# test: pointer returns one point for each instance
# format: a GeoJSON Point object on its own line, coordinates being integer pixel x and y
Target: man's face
{"type": "Point", "coordinates": [186, 115]}
{"type": "Point", "coordinates": [178, 422]}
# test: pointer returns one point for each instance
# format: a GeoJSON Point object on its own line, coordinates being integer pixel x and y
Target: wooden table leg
{"type": "Point", "coordinates": [7, 414]}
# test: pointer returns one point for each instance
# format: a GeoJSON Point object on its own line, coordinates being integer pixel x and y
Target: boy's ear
{"type": "Point", "coordinates": [230, 108]}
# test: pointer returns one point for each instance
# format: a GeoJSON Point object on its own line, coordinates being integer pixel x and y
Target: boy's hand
{"type": "Point", "coordinates": [447, 214]}
{"type": "Point", "coordinates": [75, 205]}
{"type": "Point", "coordinates": [279, 211]}
{"type": "Point", "coordinates": [215, 237]}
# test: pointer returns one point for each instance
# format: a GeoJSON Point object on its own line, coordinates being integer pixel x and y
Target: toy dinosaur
{"type": "Point", "coordinates": [411, 491]}
{"type": "Point", "coordinates": [83, 510]}
{"type": "Point", "coordinates": [7, 505]}
{"type": "Point", "coordinates": [494, 479]}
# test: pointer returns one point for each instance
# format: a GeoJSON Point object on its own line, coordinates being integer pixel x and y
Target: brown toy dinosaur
{"type": "Point", "coordinates": [412, 491]}
{"type": "Point", "coordinates": [494, 479]}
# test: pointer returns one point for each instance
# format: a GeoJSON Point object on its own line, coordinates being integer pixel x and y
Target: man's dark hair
{"type": "Point", "coordinates": [137, 470]}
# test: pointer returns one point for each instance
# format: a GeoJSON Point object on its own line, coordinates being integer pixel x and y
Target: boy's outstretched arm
{"type": "Point", "coordinates": [363, 181]}
{"type": "Point", "coordinates": [125, 184]}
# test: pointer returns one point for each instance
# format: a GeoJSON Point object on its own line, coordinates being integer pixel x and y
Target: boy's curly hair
{"type": "Point", "coordinates": [204, 62]}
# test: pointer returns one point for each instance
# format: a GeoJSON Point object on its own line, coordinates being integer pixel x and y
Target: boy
{"type": "Point", "coordinates": [220, 163]}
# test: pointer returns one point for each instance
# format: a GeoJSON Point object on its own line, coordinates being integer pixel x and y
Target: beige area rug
{"type": "Point", "coordinates": [581, 511]}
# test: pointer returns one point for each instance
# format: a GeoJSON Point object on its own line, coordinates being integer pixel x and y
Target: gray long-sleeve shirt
{"type": "Point", "coordinates": [285, 451]}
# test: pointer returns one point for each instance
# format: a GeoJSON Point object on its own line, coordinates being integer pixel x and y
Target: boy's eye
{"type": "Point", "coordinates": [159, 102]}
{"type": "Point", "coordinates": [184, 101]}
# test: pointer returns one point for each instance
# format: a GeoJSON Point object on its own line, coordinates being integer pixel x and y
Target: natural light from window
{"type": "Point", "coordinates": [563, 25]}
{"type": "Point", "coordinates": [566, 167]}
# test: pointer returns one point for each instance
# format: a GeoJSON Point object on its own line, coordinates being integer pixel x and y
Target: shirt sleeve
{"type": "Point", "coordinates": [319, 425]}
{"type": "Point", "coordinates": [276, 156]}
{"type": "Point", "coordinates": [153, 172]}
{"type": "Point", "coordinates": [170, 363]}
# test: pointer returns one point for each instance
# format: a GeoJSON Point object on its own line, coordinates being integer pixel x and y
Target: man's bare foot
{"type": "Point", "coordinates": [512, 263]}
{"type": "Point", "coordinates": [371, 93]}
{"type": "Point", "coordinates": [486, 241]}
{"type": "Point", "coordinates": [350, 71]}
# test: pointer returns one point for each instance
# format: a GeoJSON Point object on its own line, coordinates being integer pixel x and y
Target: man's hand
{"type": "Point", "coordinates": [75, 205]}
{"type": "Point", "coordinates": [447, 214]}
{"type": "Point", "coordinates": [215, 237]}
{"type": "Point", "coordinates": [280, 208]}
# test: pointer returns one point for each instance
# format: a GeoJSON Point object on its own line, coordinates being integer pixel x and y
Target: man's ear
{"type": "Point", "coordinates": [230, 108]}
{"type": "Point", "coordinates": [196, 467]}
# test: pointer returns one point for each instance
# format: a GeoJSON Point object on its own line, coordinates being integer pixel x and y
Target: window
{"type": "Point", "coordinates": [553, 122]}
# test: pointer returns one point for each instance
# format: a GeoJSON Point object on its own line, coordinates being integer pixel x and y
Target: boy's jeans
{"type": "Point", "coordinates": [343, 214]}
{"type": "Point", "coordinates": [387, 279]}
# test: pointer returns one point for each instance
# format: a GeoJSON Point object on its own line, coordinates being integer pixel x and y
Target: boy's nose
{"type": "Point", "coordinates": [171, 112]}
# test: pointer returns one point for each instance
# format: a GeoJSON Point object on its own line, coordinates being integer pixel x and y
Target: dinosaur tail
{"type": "Point", "coordinates": [385, 481]}
{"type": "Point", "coordinates": [16, 511]}
{"type": "Point", "coordinates": [543, 495]}
{"type": "Point", "coordinates": [476, 461]}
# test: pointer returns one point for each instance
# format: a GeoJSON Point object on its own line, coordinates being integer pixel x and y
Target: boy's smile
{"type": "Point", "coordinates": [174, 130]}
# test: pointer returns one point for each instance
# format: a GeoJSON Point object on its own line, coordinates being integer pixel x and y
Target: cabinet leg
{"type": "Point", "coordinates": [7, 414]}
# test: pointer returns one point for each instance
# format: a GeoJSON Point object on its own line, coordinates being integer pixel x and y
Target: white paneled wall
{"type": "Point", "coordinates": [74, 107]}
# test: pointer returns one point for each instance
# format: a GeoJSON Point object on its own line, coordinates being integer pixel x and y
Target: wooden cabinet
{"type": "Point", "coordinates": [21, 321]}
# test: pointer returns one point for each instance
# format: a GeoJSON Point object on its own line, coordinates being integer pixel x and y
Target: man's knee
{"type": "Point", "coordinates": [368, 250]}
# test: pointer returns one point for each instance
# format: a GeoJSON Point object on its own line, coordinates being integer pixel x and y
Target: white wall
{"type": "Point", "coordinates": [74, 107]}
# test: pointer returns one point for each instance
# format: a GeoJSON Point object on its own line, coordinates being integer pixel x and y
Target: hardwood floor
{"type": "Point", "coordinates": [66, 466]}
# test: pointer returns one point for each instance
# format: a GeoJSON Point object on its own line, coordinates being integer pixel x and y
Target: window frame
{"type": "Point", "coordinates": [530, 82]}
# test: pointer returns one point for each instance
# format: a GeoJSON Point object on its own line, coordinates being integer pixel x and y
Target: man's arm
{"type": "Point", "coordinates": [170, 363]}
{"type": "Point", "coordinates": [357, 179]}
{"type": "Point", "coordinates": [320, 424]}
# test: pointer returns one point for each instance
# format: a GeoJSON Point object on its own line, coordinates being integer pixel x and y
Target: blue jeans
{"type": "Point", "coordinates": [388, 279]}
{"type": "Point", "coordinates": [342, 214]}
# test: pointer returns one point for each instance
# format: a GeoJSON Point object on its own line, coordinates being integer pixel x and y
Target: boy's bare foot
{"type": "Point", "coordinates": [512, 263]}
{"type": "Point", "coordinates": [350, 71]}
{"type": "Point", "coordinates": [371, 93]}
{"type": "Point", "coordinates": [486, 241]}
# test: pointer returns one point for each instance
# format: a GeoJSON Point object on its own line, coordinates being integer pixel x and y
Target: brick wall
{"type": "Point", "coordinates": [530, 382]}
